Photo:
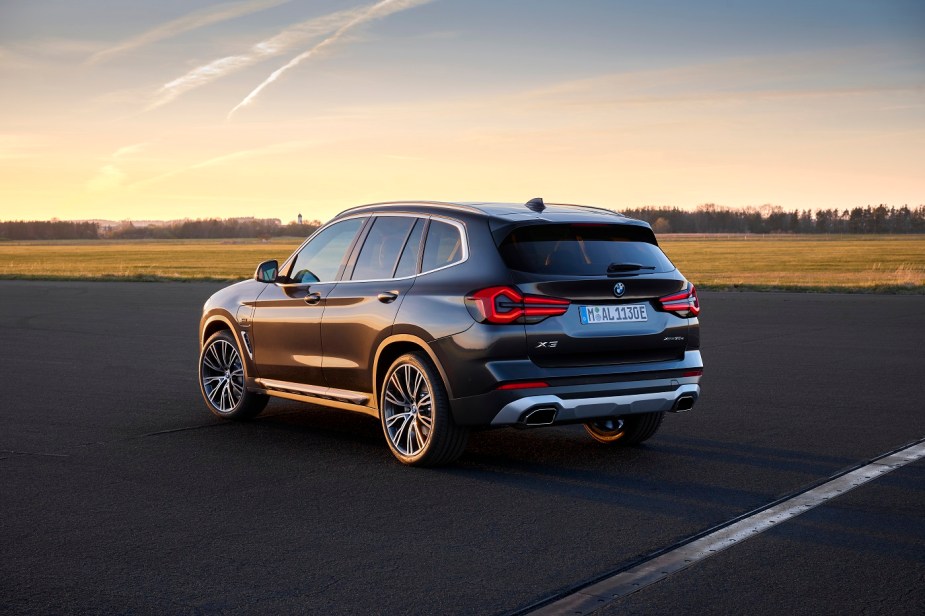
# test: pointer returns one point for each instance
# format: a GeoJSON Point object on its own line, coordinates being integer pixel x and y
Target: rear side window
{"type": "Point", "coordinates": [383, 245]}
{"type": "Point", "coordinates": [582, 250]}
{"type": "Point", "coordinates": [443, 246]}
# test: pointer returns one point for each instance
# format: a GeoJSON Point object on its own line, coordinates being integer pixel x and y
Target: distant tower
{"type": "Point", "coordinates": [300, 219]}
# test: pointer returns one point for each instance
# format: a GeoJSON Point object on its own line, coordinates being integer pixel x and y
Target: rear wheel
{"type": "Point", "coordinates": [415, 412]}
{"type": "Point", "coordinates": [626, 430]}
{"type": "Point", "coordinates": [222, 379]}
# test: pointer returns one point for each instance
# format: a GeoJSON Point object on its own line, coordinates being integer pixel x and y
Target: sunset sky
{"type": "Point", "coordinates": [172, 109]}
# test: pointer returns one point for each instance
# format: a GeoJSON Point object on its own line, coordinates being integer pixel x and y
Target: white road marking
{"type": "Point", "coordinates": [608, 590]}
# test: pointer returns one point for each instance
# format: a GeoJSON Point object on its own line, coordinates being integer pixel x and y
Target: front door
{"type": "Point", "coordinates": [287, 315]}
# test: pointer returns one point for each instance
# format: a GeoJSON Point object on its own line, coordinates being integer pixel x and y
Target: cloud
{"type": "Point", "coordinates": [192, 21]}
{"type": "Point", "coordinates": [828, 74]}
{"type": "Point", "coordinates": [372, 12]}
{"type": "Point", "coordinates": [109, 177]}
{"type": "Point", "coordinates": [19, 146]}
{"type": "Point", "coordinates": [281, 43]}
{"type": "Point", "coordinates": [128, 150]}
{"type": "Point", "coordinates": [276, 148]}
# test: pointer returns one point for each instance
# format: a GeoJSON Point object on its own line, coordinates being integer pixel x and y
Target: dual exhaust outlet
{"type": "Point", "coordinates": [546, 415]}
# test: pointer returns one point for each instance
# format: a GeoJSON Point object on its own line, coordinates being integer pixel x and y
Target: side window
{"type": "Point", "coordinates": [408, 264]}
{"type": "Point", "coordinates": [382, 247]}
{"type": "Point", "coordinates": [443, 246]}
{"type": "Point", "coordinates": [321, 258]}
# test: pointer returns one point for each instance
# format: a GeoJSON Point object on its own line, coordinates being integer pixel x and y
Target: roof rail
{"type": "Point", "coordinates": [443, 204]}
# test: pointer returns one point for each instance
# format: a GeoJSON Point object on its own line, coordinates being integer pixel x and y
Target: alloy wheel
{"type": "Point", "coordinates": [222, 376]}
{"type": "Point", "coordinates": [408, 410]}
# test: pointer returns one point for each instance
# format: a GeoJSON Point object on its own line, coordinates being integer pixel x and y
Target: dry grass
{"type": "Point", "coordinates": [833, 263]}
{"type": "Point", "coordinates": [858, 263]}
{"type": "Point", "coordinates": [140, 260]}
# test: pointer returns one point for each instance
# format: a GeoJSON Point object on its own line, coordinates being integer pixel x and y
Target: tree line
{"type": "Point", "coordinates": [48, 230]}
{"type": "Point", "coordinates": [707, 218]}
{"type": "Point", "coordinates": [710, 218]}
{"type": "Point", "coordinates": [211, 228]}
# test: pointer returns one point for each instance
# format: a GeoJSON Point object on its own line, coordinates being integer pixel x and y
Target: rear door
{"type": "Point", "coordinates": [361, 308]}
{"type": "Point", "coordinates": [613, 274]}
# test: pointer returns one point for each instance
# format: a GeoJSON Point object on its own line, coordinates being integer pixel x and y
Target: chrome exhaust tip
{"type": "Point", "coordinates": [684, 403]}
{"type": "Point", "coordinates": [544, 416]}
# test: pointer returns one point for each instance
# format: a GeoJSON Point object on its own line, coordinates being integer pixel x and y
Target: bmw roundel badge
{"type": "Point", "coordinates": [619, 289]}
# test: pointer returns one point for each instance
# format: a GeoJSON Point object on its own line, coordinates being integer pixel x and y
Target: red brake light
{"type": "Point", "coordinates": [502, 305]}
{"type": "Point", "coordinates": [683, 304]}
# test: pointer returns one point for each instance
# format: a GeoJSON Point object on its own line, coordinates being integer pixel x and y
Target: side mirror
{"type": "Point", "coordinates": [267, 271]}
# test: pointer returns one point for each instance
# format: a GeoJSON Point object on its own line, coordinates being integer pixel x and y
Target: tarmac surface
{"type": "Point", "coordinates": [120, 493]}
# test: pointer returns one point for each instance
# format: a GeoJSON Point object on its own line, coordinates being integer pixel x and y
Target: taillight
{"type": "Point", "coordinates": [502, 305]}
{"type": "Point", "coordinates": [683, 304]}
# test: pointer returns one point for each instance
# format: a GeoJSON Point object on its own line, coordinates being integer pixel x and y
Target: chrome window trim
{"type": "Point", "coordinates": [460, 226]}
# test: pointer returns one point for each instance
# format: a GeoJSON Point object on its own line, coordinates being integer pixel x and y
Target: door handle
{"type": "Point", "coordinates": [387, 297]}
{"type": "Point", "coordinates": [313, 298]}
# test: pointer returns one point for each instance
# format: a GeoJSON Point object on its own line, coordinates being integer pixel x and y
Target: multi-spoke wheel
{"type": "Point", "coordinates": [222, 379]}
{"type": "Point", "coordinates": [415, 413]}
{"type": "Point", "coordinates": [626, 430]}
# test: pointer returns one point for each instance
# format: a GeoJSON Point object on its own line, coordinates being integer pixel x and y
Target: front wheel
{"type": "Point", "coordinates": [626, 430]}
{"type": "Point", "coordinates": [222, 379]}
{"type": "Point", "coordinates": [415, 412]}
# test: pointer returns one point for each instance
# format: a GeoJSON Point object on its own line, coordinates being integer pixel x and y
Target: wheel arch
{"type": "Point", "coordinates": [222, 321]}
{"type": "Point", "coordinates": [214, 323]}
{"type": "Point", "coordinates": [394, 347]}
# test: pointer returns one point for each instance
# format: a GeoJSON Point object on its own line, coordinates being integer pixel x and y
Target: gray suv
{"type": "Point", "coordinates": [439, 318]}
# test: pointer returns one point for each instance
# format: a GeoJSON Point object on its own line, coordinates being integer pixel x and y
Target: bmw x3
{"type": "Point", "coordinates": [442, 318]}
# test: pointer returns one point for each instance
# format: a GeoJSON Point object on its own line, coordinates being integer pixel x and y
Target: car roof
{"type": "Point", "coordinates": [504, 212]}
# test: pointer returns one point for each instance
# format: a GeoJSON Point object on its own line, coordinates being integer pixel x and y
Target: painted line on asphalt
{"type": "Point", "coordinates": [639, 575]}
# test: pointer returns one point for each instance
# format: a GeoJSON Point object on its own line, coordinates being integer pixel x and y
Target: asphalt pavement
{"type": "Point", "coordinates": [120, 493]}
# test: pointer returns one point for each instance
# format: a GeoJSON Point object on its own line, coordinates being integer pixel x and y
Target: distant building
{"type": "Point", "coordinates": [300, 219]}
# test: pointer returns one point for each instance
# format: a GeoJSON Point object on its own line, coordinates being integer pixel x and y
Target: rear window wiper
{"type": "Point", "coordinates": [614, 268]}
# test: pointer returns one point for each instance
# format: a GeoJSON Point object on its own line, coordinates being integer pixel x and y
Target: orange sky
{"type": "Point", "coordinates": [270, 108]}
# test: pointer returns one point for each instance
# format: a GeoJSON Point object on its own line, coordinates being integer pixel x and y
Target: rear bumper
{"type": "Point", "coordinates": [570, 398]}
{"type": "Point", "coordinates": [526, 411]}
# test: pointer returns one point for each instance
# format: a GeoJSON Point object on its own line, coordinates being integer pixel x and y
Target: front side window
{"type": "Point", "coordinates": [443, 246]}
{"type": "Point", "coordinates": [322, 257]}
{"type": "Point", "coordinates": [382, 247]}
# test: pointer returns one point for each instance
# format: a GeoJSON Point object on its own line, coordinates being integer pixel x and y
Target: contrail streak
{"type": "Point", "coordinates": [193, 21]}
{"type": "Point", "coordinates": [274, 46]}
{"type": "Point", "coordinates": [376, 11]}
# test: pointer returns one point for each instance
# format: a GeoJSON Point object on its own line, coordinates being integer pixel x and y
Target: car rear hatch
{"type": "Point", "coordinates": [614, 276]}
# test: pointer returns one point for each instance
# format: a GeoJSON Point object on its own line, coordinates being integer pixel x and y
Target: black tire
{"type": "Point", "coordinates": [414, 410]}
{"type": "Point", "coordinates": [222, 379]}
{"type": "Point", "coordinates": [627, 430]}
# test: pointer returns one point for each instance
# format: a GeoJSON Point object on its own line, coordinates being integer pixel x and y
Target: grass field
{"type": "Point", "coordinates": [884, 264]}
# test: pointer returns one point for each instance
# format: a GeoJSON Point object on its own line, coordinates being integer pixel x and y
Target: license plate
{"type": "Point", "coordinates": [613, 314]}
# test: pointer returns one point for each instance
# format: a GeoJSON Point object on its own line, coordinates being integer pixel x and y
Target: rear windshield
{"type": "Point", "coordinates": [583, 250]}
